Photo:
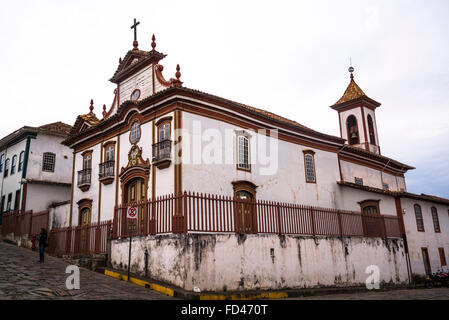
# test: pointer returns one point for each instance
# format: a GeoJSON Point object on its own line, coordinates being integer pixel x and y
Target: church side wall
{"type": "Point", "coordinates": [286, 182]}
{"type": "Point", "coordinates": [349, 199]}
{"type": "Point", "coordinates": [371, 177]}
{"type": "Point", "coordinates": [247, 262]}
{"type": "Point", "coordinates": [429, 238]}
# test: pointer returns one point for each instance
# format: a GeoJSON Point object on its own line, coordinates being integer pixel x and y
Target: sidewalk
{"type": "Point", "coordinates": [177, 292]}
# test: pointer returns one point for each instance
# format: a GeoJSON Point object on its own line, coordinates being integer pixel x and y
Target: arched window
{"type": "Point", "coordinates": [436, 222]}
{"type": "Point", "coordinates": [13, 164]}
{"type": "Point", "coordinates": [353, 131]}
{"type": "Point", "coordinates": [243, 162]}
{"type": "Point", "coordinates": [372, 138]}
{"type": "Point", "coordinates": [134, 135]}
{"type": "Point", "coordinates": [48, 162]}
{"type": "Point", "coordinates": [22, 155]}
{"type": "Point", "coordinates": [418, 216]}
{"type": "Point", "coordinates": [6, 168]}
{"type": "Point", "coordinates": [309, 165]}
{"type": "Point", "coordinates": [2, 159]}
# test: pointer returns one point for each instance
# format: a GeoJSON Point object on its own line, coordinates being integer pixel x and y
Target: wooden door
{"type": "Point", "coordinates": [426, 261]}
{"type": "Point", "coordinates": [245, 212]}
{"type": "Point", "coordinates": [85, 216]}
{"type": "Point", "coordinates": [135, 196]}
{"type": "Point", "coordinates": [373, 221]}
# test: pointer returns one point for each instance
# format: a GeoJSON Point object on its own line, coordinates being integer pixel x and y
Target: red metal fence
{"type": "Point", "coordinates": [85, 239]}
{"type": "Point", "coordinates": [25, 223]}
{"type": "Point", "coordinates": [194, 212]}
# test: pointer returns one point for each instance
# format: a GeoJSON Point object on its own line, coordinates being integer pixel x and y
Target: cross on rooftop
{"type": "Point", "coordinates": [134, 26]}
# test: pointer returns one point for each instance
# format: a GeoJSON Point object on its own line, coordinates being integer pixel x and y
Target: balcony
{"type": "Point", "coordinates": [106, 172]}
{"type": "Point", "coordinates": [162, 154]}
{"type": "Point", "coordinates": [84, 177]}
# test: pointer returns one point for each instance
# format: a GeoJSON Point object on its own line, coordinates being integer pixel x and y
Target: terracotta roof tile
{"type": "Point", "coordinates": [352, 92]}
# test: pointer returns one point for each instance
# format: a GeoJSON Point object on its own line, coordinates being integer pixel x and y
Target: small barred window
{"type": "Point", "coordinates": [385, 186]}
{"type": "Point", "coordinates": [358, 181]}
{"type": "Point", "coordinates": [48, 163]}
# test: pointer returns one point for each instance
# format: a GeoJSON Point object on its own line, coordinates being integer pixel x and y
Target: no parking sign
{"type": "Point", "coordinates": [131, 213]}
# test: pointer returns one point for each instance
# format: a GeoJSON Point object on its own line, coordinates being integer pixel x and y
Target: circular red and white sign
{"type": "Point", "coordinates": [131, 213]}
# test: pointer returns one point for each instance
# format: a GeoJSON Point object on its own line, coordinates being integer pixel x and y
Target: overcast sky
{"type": "Point", "coordinates": [288, 57]}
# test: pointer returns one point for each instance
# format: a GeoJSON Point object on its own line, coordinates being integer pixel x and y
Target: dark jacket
{"type": "Point", "coordinates": [43, 238]}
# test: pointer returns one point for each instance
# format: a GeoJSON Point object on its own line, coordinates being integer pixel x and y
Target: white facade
{"type": "Point", "coordinates": [29, 185]}
{"type": "Point", "coordinates": [428, 238]}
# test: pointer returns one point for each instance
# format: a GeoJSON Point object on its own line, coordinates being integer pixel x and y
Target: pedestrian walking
{"type": "Point", "coordinates": [42, 244]}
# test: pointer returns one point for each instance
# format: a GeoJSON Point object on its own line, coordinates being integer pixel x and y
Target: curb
{"type": "Point", "coordinates": [253, 295]}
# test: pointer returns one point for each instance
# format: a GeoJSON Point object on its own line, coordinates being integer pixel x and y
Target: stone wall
{"type": "Point", "coordinates": [215, 262]}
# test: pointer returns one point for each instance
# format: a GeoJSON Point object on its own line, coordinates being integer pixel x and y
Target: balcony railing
{"type": "Point", "coordinates": [162, 150]}
{"type": "Point", "coordinates": [106, 171]}
{"type": "Point", "coordinates": [84, 177]}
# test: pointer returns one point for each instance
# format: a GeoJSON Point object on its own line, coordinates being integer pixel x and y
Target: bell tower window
{"type": "Point", "coordinates": [353, 131]}
{"type": "Point", "coordinates": [372, 138]}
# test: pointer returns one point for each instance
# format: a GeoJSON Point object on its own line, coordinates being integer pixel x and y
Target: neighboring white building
{"type": "Point", "coordinates": [35, 168]}
{"type": "Point", "coordinates": [159, 138]}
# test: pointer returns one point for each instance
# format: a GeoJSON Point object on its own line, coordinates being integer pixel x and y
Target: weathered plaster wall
{"type": "Point", "coordinates": [349, 199]}
{"type": "Point", "coordinates": [40, 197]}
{"type": "Point", "coordinates": [63, 161]}
{"type": "Point", "coordinates": [428, 238]}
{"type": "Point", "coordinates": [246, 262]}
{"type": "Point", "coordinates": [371, 177]}
{"type": "Point", "coordinates": [59, 216]}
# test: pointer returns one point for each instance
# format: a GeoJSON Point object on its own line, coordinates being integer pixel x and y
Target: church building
{"type": "Point", "coordinates": [232, 195]}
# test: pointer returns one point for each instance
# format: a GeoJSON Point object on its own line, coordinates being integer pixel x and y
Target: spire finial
{"type": "Point", "coordinates": [351, 68]}
{"type": "Point", "coordinates": [153, 42]}
{"type": "Point", "coordinates": [91, 108]}
{"type": "Point", "coordinates": [104, 110]}
{"type": "Point", "coordinates": [178, 74]}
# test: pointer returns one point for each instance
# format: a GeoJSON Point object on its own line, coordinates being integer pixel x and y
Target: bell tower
{"type": "Point", "coordinates": [356, 113]}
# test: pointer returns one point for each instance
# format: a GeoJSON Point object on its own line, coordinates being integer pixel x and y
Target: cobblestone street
{"type": "Point", "coordinates": [22, 277]}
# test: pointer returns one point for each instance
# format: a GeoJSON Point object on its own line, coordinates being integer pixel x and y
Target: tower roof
{"type": "Point", "coordinates": [354, 94]}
